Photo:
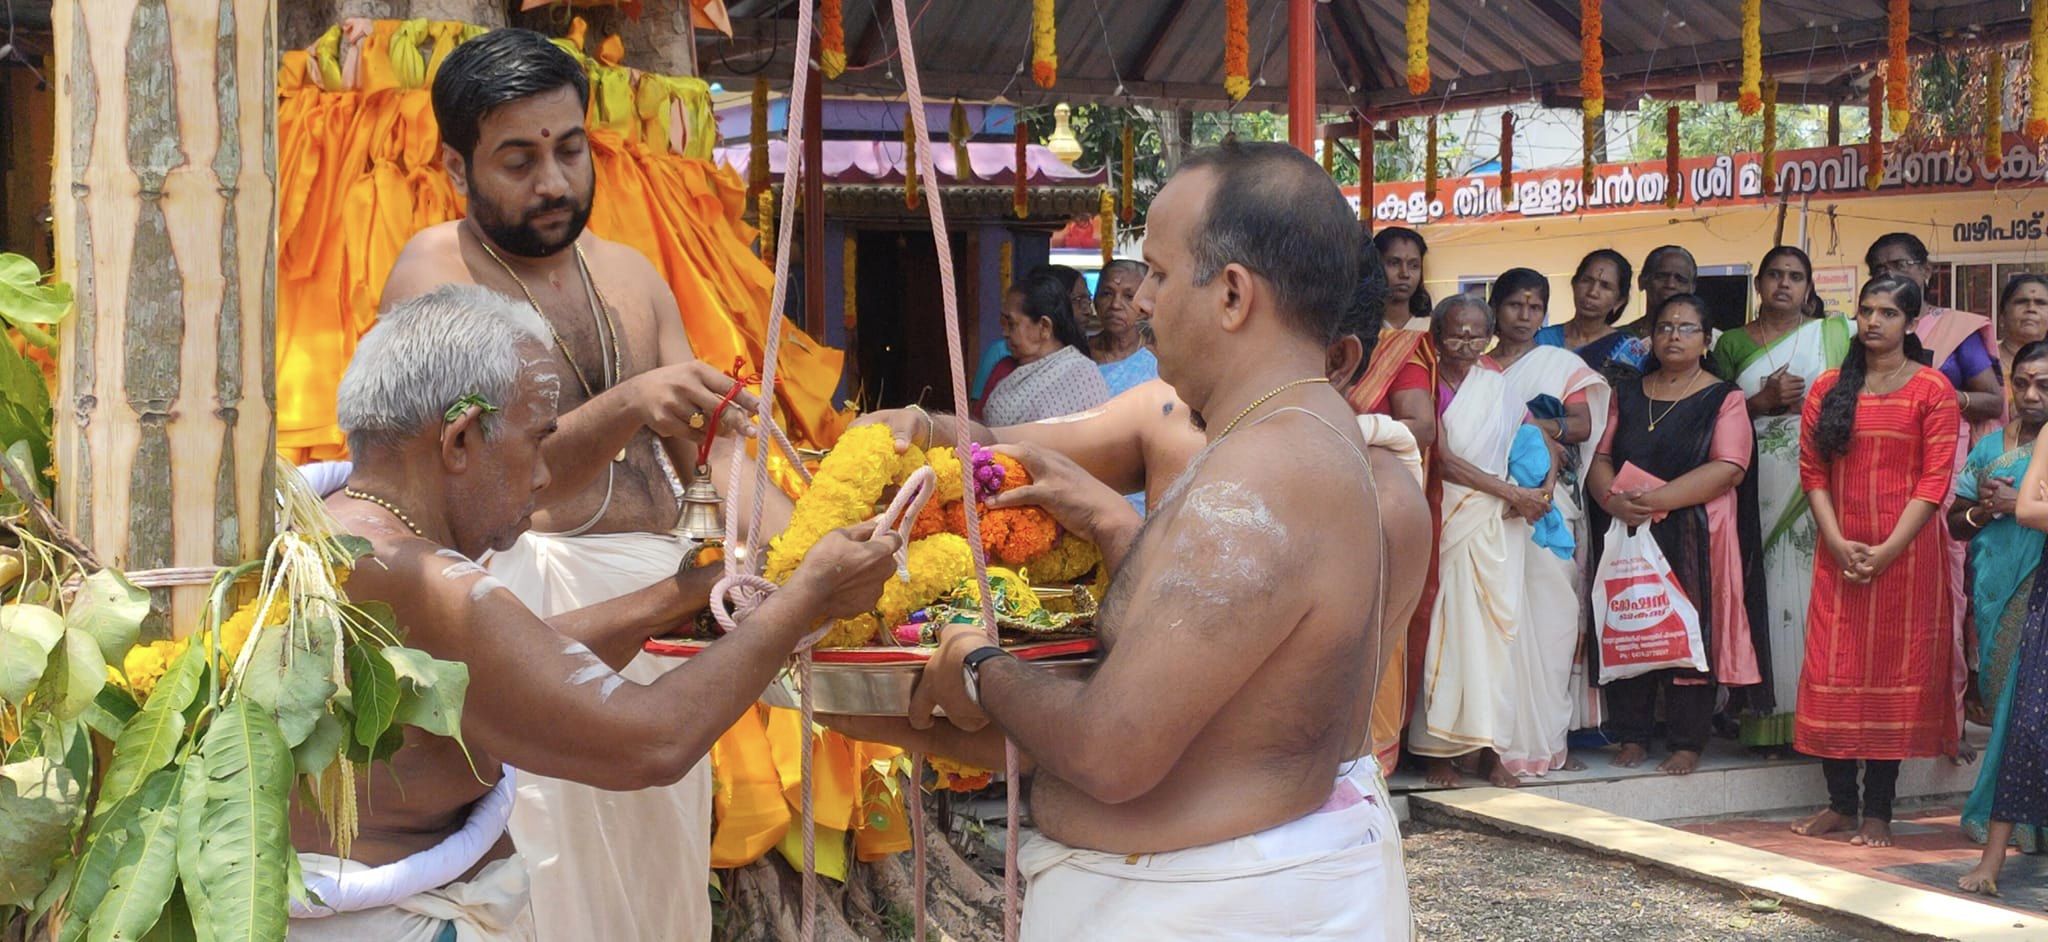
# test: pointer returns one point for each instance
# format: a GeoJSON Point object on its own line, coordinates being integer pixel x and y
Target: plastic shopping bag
{"type": "Point", "coordinates": [1646, 623]}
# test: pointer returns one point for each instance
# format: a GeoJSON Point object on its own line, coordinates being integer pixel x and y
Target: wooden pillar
{"type": "Point", "coordinates": [166, 229]}
{"type": "Point", "coordinates": [1302, 123]}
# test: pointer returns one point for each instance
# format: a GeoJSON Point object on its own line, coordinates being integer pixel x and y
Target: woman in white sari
{"type": "Point", "coordinates": [1467, 702]}
{"type": "Point", "coordinates": [1773, 358]}
{"type": "Point", "coordinates": [1568, 402]}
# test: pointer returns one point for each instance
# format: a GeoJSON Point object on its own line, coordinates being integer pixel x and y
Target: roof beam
{"type": "Point", "coordinates": [1555, 11]}
{"type": "Point", "coordinates": [1368, 71]}
{"type": "Point", "coordinates": [1142, 61]}
{"type": "Point", "coordinates": [870, 35]}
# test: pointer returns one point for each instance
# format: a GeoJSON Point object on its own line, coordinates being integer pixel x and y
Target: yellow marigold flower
{"type": "Point", "coordinates": [945, 464]}
{"type": "Point", "coordinates": [849, 482]}
{"type": "Point", "coordinates": [145, 664]}
{"type": "Point", "coordinates": [1070, 558]}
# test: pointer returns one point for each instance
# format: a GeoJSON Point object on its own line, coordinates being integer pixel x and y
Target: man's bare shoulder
{"type": "Point", "coordinates": [430, 586]}
{"type": "Point", "coordinates": [626, 263]}
{"type": "Point", "coordinates": [430, 259]}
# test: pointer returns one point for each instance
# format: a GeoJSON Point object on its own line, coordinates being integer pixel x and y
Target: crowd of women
{"type": "Point", "coordinates": [1842, 499]}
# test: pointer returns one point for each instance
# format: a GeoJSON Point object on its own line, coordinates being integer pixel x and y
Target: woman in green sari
{"type": "Point", "coordinates": [2003, 560]}
{"type": "Point", "coordinates": [1773, 358]}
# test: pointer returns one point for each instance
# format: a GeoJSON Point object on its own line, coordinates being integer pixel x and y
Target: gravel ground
{"type": "Point", "coordinates": [1469, 886]}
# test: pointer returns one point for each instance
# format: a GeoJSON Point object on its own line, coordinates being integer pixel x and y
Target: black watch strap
{"type": "Point", "coordinates": [974, 658]}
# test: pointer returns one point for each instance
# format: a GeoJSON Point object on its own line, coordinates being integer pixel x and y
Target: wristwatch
{"type": "Point", "coordinates": [970, 669]}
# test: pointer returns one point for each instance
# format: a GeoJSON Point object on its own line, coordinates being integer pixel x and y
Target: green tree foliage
{"type": "Point", "coordinates": [1721, 128]}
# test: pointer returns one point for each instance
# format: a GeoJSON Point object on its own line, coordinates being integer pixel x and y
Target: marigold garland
{"type": "Point", "coordinates": [1752, 56]}
{"type": "Point", "coordinates": [757, 140]}
{"type": "Point", "coordinates": [1899, 24]}
{"type": "Point", "coordinates": [1367, 167]}
{"type": "Point", "coordinates": [1873, 156]}
{"type": "Point", "coordinates": [1126, 184]}
{"type": "Point", "coordinates": [766, 210]}
{"type": "Point", "coordinates": [1429, 160]}
{"type": "Point", "coordinates": [957, 133]}
{"type": "Point", "coordinates": [2037, 65]}
{"type": "Point", "coordinates": [937, 564]}
{"type": "Point", "coordinates": [831, 38]}
{"type": "Point", "coordinates": [843, 492]}
{"type": "Point", "coordinates": [1105, 227]}
{"type": "Point", "coordinates": [145, 664]}
{"type": "Point", "coordinates": [1507, 157]}
{"type": "Point", "coordinates": [1237, 81]}
{"type": "Point", "coordinates": [1045, 60]}
{"type": "Point", "coordinates": [1673, 178]}
{"type": "Point", "coordinates": [1330, 155]}
{"type": "Point", "coordinates": [1592, 86]}
{"type": "Point", "coordinates": [849, 266]}
{"type": "Point", "coordinates": [1994, 107]}
{"type": "Point", "coordinates": [1418, 46]}
{"type": "Point", "coordinates": [1069, 559]}
{"type": "Point", "coordinates": [1770, 154]}
{"type": "Point", "coordinates": [1006, 265]}
{"type": "Point", "coordinates": [911, 195]}
{"type": "Point", "coordinates": [1020, 202]}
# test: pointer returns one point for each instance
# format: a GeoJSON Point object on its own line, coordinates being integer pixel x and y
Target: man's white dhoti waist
{"type": "Point", "coordinates": [1334, 874]}
{"type": "Point", "coordinates": [345, 886]}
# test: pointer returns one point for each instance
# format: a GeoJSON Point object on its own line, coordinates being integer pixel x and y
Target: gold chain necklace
{"type": "Point", "coordinates": [1262, 400]}
{"type": "Point", "coordinates": [600, 315]}
{"type": "Point", "coordinates": [387, 505]}
{"type": "Point", "coordinates": [1654, 417]}
{"type": "Point", "coordinates": [1890, 378]}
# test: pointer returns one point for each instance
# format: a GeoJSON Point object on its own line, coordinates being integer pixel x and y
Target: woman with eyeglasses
{"type": "Point", "coordinates": [2004, 559]}
{"type": "Point", "coordinates": [1877, 457]}
{"type": "Point", "coordinates": [1467, 698]}
{"type": "Point", "coordinates": [1599, 296]}
{"type": "Point", "coordinates": [1684, 436]}
{"type": "Point", "coordinates": [1773, 358]}
{"type": "Point", "coordinates": [1568, 402]}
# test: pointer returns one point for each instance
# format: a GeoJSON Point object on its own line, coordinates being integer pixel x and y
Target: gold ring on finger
{"type": "Point", "coordinates": [697, 420]}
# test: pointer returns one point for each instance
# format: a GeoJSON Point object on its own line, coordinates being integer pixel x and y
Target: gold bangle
{"type": "Point", "coordinates": [1970, 516]}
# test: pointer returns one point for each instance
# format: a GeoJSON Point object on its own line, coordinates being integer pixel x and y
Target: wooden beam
{"type": "Point", "coordinates": [1348, 130]}
{"type": "Point", "coordinates": [1354, 57]}
{"type": "Point", "coordinates": [1370, 44]}
{"type": "Point", "coordinates": [1141, 61]}
{"type": "Point", "coordinates": [870, 36]}
{"type": "Point", "coordinates": [1569, 21]}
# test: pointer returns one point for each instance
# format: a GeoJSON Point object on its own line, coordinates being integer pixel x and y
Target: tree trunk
{"type": "Point", "coordinates": [166, 230]}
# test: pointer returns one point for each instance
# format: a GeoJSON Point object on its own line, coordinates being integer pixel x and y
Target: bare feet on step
{"type": "Point", "coordinates": [1573, 763]}
{"type": "Point", "coordinates": [1826, 822]}
{"type": "Point", "coordinates": [1630, 756]}
{"type": "Point", "coordinates": [1682, 762]}
{"type": "Point", "coordinates": [1441, 773]}
{"type": "Point", "coordinates": [1874, 833]}
{"type": "Point", "coordinates": [1499, 775]}
{"type": "Point", "coordinates": [1981, 879]}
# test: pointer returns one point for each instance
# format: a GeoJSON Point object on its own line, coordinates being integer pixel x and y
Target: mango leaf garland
{"type": "Point", "coordinates": [322, 746]}
{"type": "Point", "coordinates": [28, 633]}
{"type": "Point", "coordinates": [110, 609]}
{"type": "Point", "coordinates": [74, 677]}
{"type": "Point", "coordinates": [373, 684]}
{"type": "Point", "coordinates": [290, 674]}
{"type": "Point", "coordinates": [39, 800]}
{"type": "Point", "coordinates": [145, 871]}
{"type": "Point", "coordinates": [242, 830]}
{"type": "Point", "coordinates": [432, 691]}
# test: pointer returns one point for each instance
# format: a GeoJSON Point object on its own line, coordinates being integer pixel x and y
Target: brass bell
{"type": "Point", "coordinates": [703, 510]}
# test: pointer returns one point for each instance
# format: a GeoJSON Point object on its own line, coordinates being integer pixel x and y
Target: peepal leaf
{"type": "Point", "coordinates": [290, 674]}
{"type": "Point", "coordinates": [110, 609]}
{"type": "Point", "coordinates": [74, 677]}
{"type": "Point", "coordinates": [24, 299]}
{"type": "Point", "coordinates": [241, 835]}
{"type": "Point", "coordinates": [432, 691]}
{"type": "Point", "coordinates": [38, 802]}
{"type": "Point", "coordinates": [145, 872]}
{"type": "Point", "coordinates": [28, 633]}
{"type": "Point", "coordinates": [374, 684]}
{"type": "Point", "coordinates": [322, 745]}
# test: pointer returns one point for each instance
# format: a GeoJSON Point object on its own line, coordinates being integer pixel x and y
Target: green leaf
{"type": "Point", "coordinates": [28, 633]}
{"type": "Point", "coordinates": [39, 801]}
{"type": "Point", "coordinates": [24, 299]}
{"type": "Point", "coordinates": [351, 547]}
{"type": "Point", "coordinates": [380, 615]}
{"type": "Point", "coordinates": [112, 827]}
{"type": "Point", "coordinates": [25, 410]}
{"type": "Point", "coordinates": [182, 680]}
{"type": "Point", "coordinates": [290, 674]}
{"type": "Point", "coordinates": [75, 676]}
{"type": "Point", "coordinates": [111, 711]}
{"type": "Point", "coordinates": [313, 756]}
{"type": "Point", "coordinates": [176, 923]}
{"type": "Point", "coordinates": [386, 747]}
{"type": "Point", "coordinates": [192, 832]}
{"type": "Point", "coordinates": [145, 872]}
{"type": "Point", "coordinates": [373, 682]}
{"type": "Point", "coordinates": [110, 609]}
{"type": "Point", "coordinates": [432, 691]}
{"type": "Point", "coordinates": [243, 828]}
{"type": "Point", "coordinates": [146, 745]}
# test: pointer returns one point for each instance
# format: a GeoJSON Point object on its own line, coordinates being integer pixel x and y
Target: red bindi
{"type": "Point", "coordinates": [543, 132]}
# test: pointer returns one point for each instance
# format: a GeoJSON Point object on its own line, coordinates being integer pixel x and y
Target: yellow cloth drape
{"type": "Point", "coordinates": [757, 770]}
{"type": "Point", "coordinates": [359, 172]}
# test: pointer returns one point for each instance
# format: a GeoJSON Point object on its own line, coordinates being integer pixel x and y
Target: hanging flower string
{"type": "Point", "coordinates": [1045, 60]}
{"type": "Point", "coordinates": [1899, 25]}
{"type": "Point", "coordinates": [831, 38]}
{"type": "Point", "coordinates": [1237, 78]}
{"type": "Point", "coordinates": [1366, 168]}
{"type": "Point", "coordinates": [1994, 108]}
{"type": "Point", "coordinates": [1752, 99]}
{"type": "Point", "coordinates": [957, 132]}
{"type": "Point", "coordinates": [1418, 46]}
{"type": "Point", "coordinates": [1105, 227]}
{"type": "Point", "coordinates": [1590, 131]}
{"type": "Point", "coordinates": [1770, 155]}
{"type": "Point", "coordinates": [1429, 161]}
{"type": "Point", "coordinates": [1507, 158]}
{"type": "Point", "coordinates": [1671, 157]}
{"type": "Point", "coordinates": [1020, 202]}
{"type": "Point", "coordinates": [766, 214]}
{"type": "Point", "coordinates": [1873, 157]}
{"type": "Point", "coordinates": [1592, 87]}
{"type": "Point", "coordinates": [757, 145]}
{"type": "Point", "coordinates": [2037, 65]}
{"type": "Point", "coordinates": [1006, 264]}
{"type": "Point", "coordinates": [911, 198]}
{"type": "Point", "coordinates": [1330, 155]}
{"type": "Point", "coordinates": [849, 264]}
{"type": "Point", "coordinates": [1125, 186]}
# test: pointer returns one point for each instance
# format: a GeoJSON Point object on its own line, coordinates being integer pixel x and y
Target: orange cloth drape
{"type": "Point", "coordinates": [359, 172]}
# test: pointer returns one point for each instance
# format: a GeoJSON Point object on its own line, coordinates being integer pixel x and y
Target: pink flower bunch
{"type": "Point", "coordinates": [988, 475]}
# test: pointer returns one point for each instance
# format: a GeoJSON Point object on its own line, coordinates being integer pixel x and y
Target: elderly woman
{"type": "Point", "coordinates": [996, 361]}
{"type": "Point", "coordinates": [2022, 315]}
{"type": "Point", "coordinates": [1688, 431]}
{"type": "Point", "coordinates": [1470, 680]}
{"type": "Point", "coordinates": [1053, 377]}
{"type": "Point", "coordinates": [1599, 295]}
{"type": "Point", "coordinates": [1120, 350]}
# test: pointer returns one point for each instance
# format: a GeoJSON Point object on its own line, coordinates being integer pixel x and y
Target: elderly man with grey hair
{"type": "Point", "coordinates": [447, 405]}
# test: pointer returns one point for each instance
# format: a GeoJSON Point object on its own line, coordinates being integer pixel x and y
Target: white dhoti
{"type": "Point", "coordinates": [624, 866]}
{"type": "Point", "coordinates": [1334, 874]}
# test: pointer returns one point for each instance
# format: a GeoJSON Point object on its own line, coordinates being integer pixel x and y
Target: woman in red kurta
{"type": "Point", "coordinates": [1877, 454]}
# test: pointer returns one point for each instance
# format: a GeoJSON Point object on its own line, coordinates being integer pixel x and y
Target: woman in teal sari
{"type": "Point", "coordinates": [2003, 560]}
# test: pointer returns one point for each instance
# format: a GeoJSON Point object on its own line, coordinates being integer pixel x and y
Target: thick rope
{"type": "Point", "coordinates": [929, 169]}
{"type": "Point", "coordinates": [917, 851]}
